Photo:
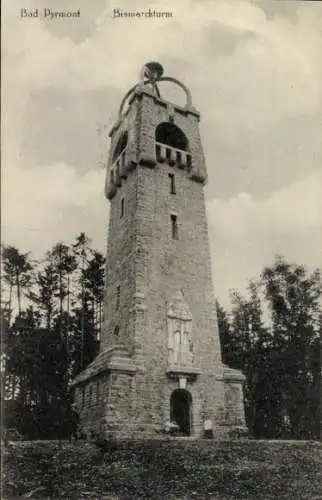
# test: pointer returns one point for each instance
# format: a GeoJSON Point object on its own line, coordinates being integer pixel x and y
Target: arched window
{"type": "Point", "coordinates": [120, 146]}
{"type": "Point", "coordinates": [171, 135]}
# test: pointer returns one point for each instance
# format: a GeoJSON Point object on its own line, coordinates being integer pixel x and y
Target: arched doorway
{"type": "Point", "coordinates": [181, 410]}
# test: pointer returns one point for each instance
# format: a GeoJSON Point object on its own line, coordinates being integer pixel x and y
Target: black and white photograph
{"type": "Point", "coordinates": [161, 250]}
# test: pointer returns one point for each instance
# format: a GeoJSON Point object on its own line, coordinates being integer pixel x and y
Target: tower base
{"type": "Point", "coordinates": [115, 399]}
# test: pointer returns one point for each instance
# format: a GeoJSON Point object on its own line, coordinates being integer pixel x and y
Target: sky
{"type": "Point", "coordinates": [254, 69]}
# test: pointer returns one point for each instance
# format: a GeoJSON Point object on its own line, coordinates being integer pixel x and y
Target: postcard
{"type": "Point", "coordinates": [161, 247]}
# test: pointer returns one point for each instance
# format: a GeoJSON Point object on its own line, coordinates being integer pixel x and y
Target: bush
{"type": "Point", "coordinates": [238, 432]}
{"type": "Point", "coordinates": [10, 435]}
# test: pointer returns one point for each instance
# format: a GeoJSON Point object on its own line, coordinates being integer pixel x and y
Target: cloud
{"type": "Point", "coordinates": [255, 72]}
{"type": "Point", "coordinates": [63, 126]}
{"type": "Point", "coordinates": [246, 233]}
{"type": "Point", "coordinates": [103, 58]}
{"type": "Point", "coordinates": [291, 209]}
{"type": "Point", "coordinates": [53, 203]}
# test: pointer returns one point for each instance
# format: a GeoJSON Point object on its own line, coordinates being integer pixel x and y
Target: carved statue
{"type": "Point", "coordinates": [180, 343]}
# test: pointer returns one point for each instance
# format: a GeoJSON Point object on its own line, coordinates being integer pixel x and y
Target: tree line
{"type": "Point", "coordinates": [52, 315]}
{"type": "Point", "coordinates": [274, 335]}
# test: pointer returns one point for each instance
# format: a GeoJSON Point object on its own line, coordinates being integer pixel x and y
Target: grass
{"type": "Point", "coordinates": [168, 470]}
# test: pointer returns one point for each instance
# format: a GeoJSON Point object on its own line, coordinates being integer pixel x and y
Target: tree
{"type": "Point", "coordinates": [314, 402]}
{"type": "Point", "coordinates": [54, 337]}
{"type": "Point", "coordinates": [249, 340]}
{"type": "Point", "coordinates": [293, 296]}
{"type": "Point", "coordinates": [64, 263]}
{"type": "Point", "coordinates": [85, 342]}
{"type": "Point", "coordinates": [82, 251]}
{"type": "Point", "coordinates": [44, 292]}
{"type": "Point", "coordinates": [38, 360]}
{"type": "Point", "coordinates": [224, 334]}
{"type": "Point", "coordinates": [17, 271]}
{"type": "Point", "coordinates": [280, 358]}
{"type": "Point", "coordinates": [93, 277]}
{"type": "Point", "coordinates": [22, 345]}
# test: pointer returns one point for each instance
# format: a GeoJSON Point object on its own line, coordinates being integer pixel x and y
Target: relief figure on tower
{"type": "Point", "coordinates": [180, 342]}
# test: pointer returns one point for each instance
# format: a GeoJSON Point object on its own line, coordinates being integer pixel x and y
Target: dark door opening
{"type": "Point", "coordinates": [180, 410]}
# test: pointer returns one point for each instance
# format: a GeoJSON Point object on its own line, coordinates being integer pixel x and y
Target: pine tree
{"type": "Point", "coordinates": [82, 252]}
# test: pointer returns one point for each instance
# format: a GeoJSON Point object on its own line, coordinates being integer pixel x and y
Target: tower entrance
{"type": "Point", "coordinates": [181, 410]}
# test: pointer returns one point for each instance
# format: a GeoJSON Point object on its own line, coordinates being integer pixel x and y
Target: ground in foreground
{"type": "Point", "coordinates": [171, 469]}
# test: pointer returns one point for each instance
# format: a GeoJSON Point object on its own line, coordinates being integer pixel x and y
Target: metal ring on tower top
{"type": "Point", "coordinates": [125, 98]}
{"type": "Point", "coordinates": [151, 73]}
{"type": "Point", "coordinates": [182, 85]}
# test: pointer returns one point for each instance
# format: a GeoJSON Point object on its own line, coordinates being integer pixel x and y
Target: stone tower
{"type": "Point", "coordinates": [160, 358]}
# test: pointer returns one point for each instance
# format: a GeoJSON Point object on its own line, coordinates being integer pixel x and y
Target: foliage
{"type": "Point", "coordinates": [280, 357]}
{"type": "Point", "coordinates": [53, 337]}
{"type": "Point", "coordinates": [170, 468]}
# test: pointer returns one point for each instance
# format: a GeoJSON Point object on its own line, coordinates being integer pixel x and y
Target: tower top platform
{"type": "Point", "coordinates": [151, 74]}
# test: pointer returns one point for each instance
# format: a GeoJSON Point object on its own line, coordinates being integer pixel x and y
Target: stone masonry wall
{"type": "Point", "coordinates": [168, 266]}
{"type": "Point", "coordinates": [120, 264]}
{"type": "Point", "coordinates": [91, 401]}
